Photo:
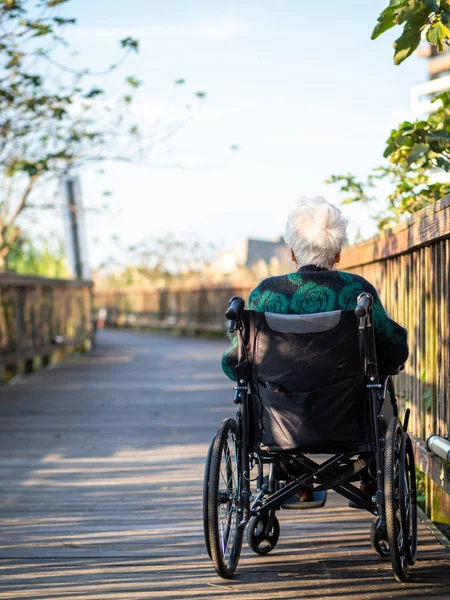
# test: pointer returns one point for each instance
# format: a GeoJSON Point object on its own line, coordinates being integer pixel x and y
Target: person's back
{"type": "Point", "coordinates": [316, 232]}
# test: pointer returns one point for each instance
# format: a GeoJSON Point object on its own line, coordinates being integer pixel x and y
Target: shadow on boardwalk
{"type": "Point", "coordinates": [101, 466]}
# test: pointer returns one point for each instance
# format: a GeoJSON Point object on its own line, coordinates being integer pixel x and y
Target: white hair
{"type": "Point", "coordinates": [316, 232]}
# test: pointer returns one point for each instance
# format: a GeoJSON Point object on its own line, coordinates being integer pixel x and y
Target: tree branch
{"type": "Point", "coordinates": [23, 202]}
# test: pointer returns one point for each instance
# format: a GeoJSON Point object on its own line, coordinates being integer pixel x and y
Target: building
{"type": "Point", "coordinates": [422, 94]}
{"type": "Point", "coordinates": [265, 257]}
{"type": "Point", "coordinates": [251, 251]}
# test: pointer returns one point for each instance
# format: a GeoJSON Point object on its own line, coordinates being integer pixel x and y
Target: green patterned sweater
{"type": "Point", "coordinates": [315, 289]}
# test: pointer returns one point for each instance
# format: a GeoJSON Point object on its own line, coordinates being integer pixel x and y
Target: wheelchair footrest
{"type": "Point", "coordinates": [319, 499]}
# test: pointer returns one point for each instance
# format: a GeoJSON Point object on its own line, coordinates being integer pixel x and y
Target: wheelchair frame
{"type": "Point", "coordinates": [394, 530]}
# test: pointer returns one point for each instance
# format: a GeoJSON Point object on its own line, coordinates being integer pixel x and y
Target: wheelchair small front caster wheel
{"type": "Point", "coordinates": [378, 539]}
{"type": "Point", "coordinates": [260, 540]}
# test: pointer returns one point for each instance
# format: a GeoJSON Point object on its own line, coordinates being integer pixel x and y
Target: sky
{"type": "Point", "coordinates": [297, 85]}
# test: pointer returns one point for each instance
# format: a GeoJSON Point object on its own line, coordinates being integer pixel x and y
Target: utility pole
{"type": "Point", "coordinates": [74, 228]}
{"type": "Point", "coordinates": [75, 239]}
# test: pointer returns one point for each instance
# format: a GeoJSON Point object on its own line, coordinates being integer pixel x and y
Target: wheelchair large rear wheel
{"type": "Point", "coordinates": [400, 499]}
{"type": "Point", "coordinates": [223, 499]}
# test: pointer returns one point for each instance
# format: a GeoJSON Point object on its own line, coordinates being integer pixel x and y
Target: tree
{"type": "Point", "coordinates": [416, 151]}
{"type": "Point", "coordinates": [53, 120]}
{"type": "Point", "coordinates": [47, 127]}
{"type": "Point", "coordinates": [157, 262]}
{"type": "Point", "coordinates": [418, 17]}
{"type": "Point", "coordinates": [45, 258]}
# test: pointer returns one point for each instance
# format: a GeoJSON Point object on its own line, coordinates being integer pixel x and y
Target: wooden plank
{"type": "Point", "coordinates": [426, 226]}
{"type": "Point", "coordinates": [445, 341]}
{"type": "Point", "coordinates": [11, 279]}
{"type": "Point", "coordinates": [47, 350]}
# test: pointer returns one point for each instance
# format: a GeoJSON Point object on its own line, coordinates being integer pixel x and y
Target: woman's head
{"type": "Point", "coordinates": [316, 232]}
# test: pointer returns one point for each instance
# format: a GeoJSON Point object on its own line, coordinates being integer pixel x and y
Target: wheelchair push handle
{"type": "Point", "coordinates": [365, 301]}
{"type": "Point", "coordinates": [236, 306]}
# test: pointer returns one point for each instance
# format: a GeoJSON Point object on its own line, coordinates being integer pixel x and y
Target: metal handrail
{"type": "Point", "coordinates": [440, 446]}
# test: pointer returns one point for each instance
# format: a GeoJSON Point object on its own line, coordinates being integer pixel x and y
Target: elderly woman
{"type": "Point", "coordinates": [315, 233]}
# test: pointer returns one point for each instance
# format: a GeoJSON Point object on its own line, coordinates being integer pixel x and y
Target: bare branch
{"type": "Point", "coordinates": [23, 201]}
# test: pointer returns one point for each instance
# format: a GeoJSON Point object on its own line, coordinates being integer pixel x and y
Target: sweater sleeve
{"type": "Point", "coordinates": [230, 357]}
{"type": "Point", "coordinates": [390, 338]}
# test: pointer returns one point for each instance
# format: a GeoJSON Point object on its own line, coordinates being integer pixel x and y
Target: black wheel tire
{"type": "Point", "coordinates": [378, 539]}
{"type": "Point", "coordinates": [408, 498]}
{"type": "Point", "coordinates": [224, 488]}
{"type": "Point", "coordinates": [259, 539]}
{"type": "Point", "coordinates": [205, 498]}
{"type": "Point", "coordinates": [395, 536]}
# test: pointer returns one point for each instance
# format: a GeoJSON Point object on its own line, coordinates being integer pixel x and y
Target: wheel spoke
{"type": "Point", "coordinates": [228, 477]}
{"type": "Point", "coordinates": [232, 535]}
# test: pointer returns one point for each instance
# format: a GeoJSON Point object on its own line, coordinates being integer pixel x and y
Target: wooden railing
{"type": "Point", "coordinates": [198, 309]}
{"type": "Point", "coordinates": [410, 268]}
{"type": "Point", "coordinates": [39, 315]}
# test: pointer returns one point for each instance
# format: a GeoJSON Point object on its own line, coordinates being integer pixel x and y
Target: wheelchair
{"type": "Point", "coordinates": [308, 385]}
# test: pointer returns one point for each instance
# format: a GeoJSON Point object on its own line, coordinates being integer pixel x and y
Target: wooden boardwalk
{"type": "Point", "coordinates": [101, 466]}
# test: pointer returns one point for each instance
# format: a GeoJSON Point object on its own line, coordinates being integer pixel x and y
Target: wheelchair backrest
{"type": "Point", "coordinates": [303, 352]}
{"type": "Point", "coordinates": [307, 381]}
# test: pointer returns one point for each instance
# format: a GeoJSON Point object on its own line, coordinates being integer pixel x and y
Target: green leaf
{"type": "Point", "coordinates": [61, 21]}
{"type": "Point", "coordinates": [443, 163]}
{"type": "Point", "coordinates": [417, 151]}
{"type": "Point", "coordinates": [135, 83]}
{"type": "Point", "coordinates": [445, 12]}
{"type": "Point", "coordinates": [437, 34]}
{"type": "Point", "coordinates": [405, 45]}
{"type": "Point", "coordinates": [427, 399]}
{"type": "Point", "coordinates": [438, 135]}
{"type": "Point", "coordinates": [130, 43]}
{"type": "Point", "coordinates": [180, 81]}
{"type": "Point", "coordinates": [51, 3]}
{"type": "Point", "coordinates": [200, 94]}
{"type": "Point", "coordinates": [390, 148]}
{"type": "Point", "coordinates": [385, 21]}
{"type": "Point", "coordinates": [94, 92]}
{"type": "Point", "coordinates": [407, 13]}
{"type": "Point", "coordinates": [432, 5]}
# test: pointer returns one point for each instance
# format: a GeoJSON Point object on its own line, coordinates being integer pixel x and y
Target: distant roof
{"type": "Point", "coordinates": [266, 250]}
